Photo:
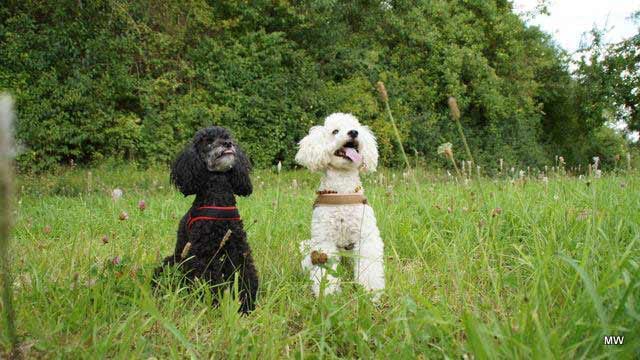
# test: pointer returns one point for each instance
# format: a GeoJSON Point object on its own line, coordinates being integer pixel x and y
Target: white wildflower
{"type": "Point", "coordinates": [116, 194]}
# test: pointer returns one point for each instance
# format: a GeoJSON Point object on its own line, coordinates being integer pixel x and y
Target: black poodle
{"type": "Point", "coordinates": [212, 244]}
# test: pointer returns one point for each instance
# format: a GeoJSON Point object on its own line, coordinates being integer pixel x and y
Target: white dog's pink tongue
{"type": "Point", "coordinates": [352, 154]}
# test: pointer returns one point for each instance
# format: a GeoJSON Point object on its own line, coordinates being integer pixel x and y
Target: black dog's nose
{"type": "Point", "coordinates": [227, 144]}
{"type": "Point", "coordinates": [353, 134]}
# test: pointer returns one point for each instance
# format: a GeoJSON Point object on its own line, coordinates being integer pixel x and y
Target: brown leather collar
{"type": "Point", "coordinates": [339, 199]}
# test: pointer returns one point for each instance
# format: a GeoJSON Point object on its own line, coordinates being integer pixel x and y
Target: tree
{"type": "Point", "coordinates": [610, 77]}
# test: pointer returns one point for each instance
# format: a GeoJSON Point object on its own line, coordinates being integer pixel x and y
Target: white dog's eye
{"type": "Point", "coordinates": [335, 131]}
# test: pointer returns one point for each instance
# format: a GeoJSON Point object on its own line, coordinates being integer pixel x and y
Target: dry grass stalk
{"type": "Point", "coordinates": [6, 191]}
{"type": "Point", "coordinates": [384, 96]}
{"type": "Point", "coordinates": [455, 114]}
{"type": "Point", "coordinates": [225, 238]}
{"type": "Point", "coordinates": [185, 251]}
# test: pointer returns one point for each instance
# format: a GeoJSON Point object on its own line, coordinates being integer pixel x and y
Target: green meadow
{"type": "Point", "coordinates": [490, 269]}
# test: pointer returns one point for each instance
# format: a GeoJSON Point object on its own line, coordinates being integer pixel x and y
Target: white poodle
{"type": "Point", "coordinates": [342, 220]}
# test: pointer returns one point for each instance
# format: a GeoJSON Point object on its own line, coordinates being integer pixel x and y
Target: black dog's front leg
{"type": "Point", "coordinates": [174, 259]}
{"type": "Point", "coordinates": [247, 279]}
{"type": "Point", "coordinates": [243, 264]}
{"type": "Point", "coordinates": [248, 287]}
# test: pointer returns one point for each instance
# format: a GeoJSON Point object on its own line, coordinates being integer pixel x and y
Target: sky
{"type": "Point", "coordinates": [569, 19]}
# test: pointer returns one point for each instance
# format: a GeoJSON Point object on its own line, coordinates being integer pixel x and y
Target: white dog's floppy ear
{"type": "Point", "coordinates": [313, 152]}
{"type": "Point", "coordinates": [368, 149]}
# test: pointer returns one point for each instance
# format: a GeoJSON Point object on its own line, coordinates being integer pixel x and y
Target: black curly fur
{"type": "Point", "coordinates": [206, 260]}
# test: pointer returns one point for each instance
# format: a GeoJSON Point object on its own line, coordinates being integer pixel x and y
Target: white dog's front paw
{"type": "Point", "coordinates": [321, 274]}
{"type": "Point", "coordinates": [376, 295]}
{"type": "Point", "coordinates": [306, 263]}
{"type": "Point", "coordinates": [327, 287]}
{"type": "Point", "coordinates": [304, 251]}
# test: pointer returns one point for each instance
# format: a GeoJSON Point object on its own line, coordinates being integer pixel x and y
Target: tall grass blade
{"type": "Point", "coordinates": [591, 290]}
{"type": "Point", "coordinates": [148, 304]}
{"type": "Point", "coordinates": [480, 346]}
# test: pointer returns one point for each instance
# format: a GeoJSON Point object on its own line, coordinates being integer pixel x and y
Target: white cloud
{"type": "Point", "coordinates": [570, 19]}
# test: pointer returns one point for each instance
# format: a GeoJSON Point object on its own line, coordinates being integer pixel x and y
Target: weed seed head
{"type": "Point", "coordinates": [446, 149]}
{"type": "Point", "coordinates": [453, 107]}
{"type": "Point", "coordinates": [382, 90]}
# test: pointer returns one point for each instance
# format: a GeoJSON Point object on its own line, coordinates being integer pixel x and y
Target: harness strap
{"type": "Point", "coordinates": [340, 199]}
{"type": "Point", "coordinates": [213, 213]}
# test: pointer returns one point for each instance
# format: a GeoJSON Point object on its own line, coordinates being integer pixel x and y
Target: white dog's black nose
{"type": "Point", "coordinates": [227, 144]}
{"type": "Point", "coordinates": [353, 134]}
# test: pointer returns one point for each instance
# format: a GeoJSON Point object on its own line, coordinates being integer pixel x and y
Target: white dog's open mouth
{"type": "Point", "coordinates": [349, 151]}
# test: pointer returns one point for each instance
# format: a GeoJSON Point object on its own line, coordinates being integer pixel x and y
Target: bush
{"type": "Point", "coordinates": [610, 146]}
{"type": "Point", "coordinates": [101, 83]}
{"type": "Point", "coordinates": [134, 80]}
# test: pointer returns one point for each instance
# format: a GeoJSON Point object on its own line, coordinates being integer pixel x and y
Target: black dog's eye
{"type": "Point", "coordinates": [335, 131]}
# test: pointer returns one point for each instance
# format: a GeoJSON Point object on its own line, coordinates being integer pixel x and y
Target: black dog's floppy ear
{"type": "Point", "coordinates": [186, 172]}
{"type": "Point", "coordinates": [239, 174]}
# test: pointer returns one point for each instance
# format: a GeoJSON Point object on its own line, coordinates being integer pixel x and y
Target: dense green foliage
{"type": "Point", "coordinates": [134, 79]}
{"type": "Point", "coordinates": [543, 278]}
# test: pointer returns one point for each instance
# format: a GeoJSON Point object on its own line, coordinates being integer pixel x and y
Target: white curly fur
{"type": "Point", "coordinates": [334, 228]}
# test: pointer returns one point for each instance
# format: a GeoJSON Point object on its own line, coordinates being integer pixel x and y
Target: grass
{"type": "Point", "coordinates": [537, 271]}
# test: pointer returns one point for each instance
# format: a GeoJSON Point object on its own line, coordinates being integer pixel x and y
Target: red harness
{"type": "Point", "coordinates": [213, 213]}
